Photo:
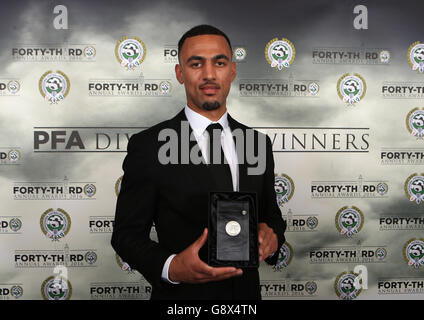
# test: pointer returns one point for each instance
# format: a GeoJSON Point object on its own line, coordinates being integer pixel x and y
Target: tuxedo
{"type": "Point", "coordinates": [174, 197]}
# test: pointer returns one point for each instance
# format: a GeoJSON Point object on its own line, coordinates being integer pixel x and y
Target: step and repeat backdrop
{"type": "Point", "coordinates": [337, 85]}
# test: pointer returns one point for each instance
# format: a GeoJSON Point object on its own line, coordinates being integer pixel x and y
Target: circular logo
{"type": "Point", "coordinates": [118, 185]}
{"type": "Point", "coordinates": [55, 224]}
{"type": "Point", "coordinates": [89, 190]}
{"type": "Point", "coordinates": [233, 228]}
{"type": "Point", "coordinates": [54, 86]}
{"type": "Point", "coordinates": [351, 88]}
{"type": "Point", "coordinates": [311, 287]}
{"type": "Point", "coordinates": [285, 256]}
{"type": "Point", "coordinates": [56, 288]}
{"type": "Point", "coordinates": [17, 291]}
{"type": "Point", "coordinates": [89, 52]}
{"type": "Point", "coordinates": [90, 257]}
{"type": "Point", "coordinates": [284, 188]}
{"type": "Point", "coordinates": [124, 266]}
{"type": "Point", "coordinates": [416, 56]}
{"type": "Point", "coordinates": [384, 56]}
{"type": "Point", "coordinates": [415, 123]}
{"type": "Point", "coordinates": [414, 188]}
{"type": "Point", "coordinates": [13, 86]}
{"type": "Point", "coordinates": [345, 286]}
{"type": "Point", "coordinates": [280, 53]}
{"type": "Point", "coordinates": [313, 88]}
{"type": "Point", "coordinates": [349, 221]}
{"type": "Point", "coordinates": [382, 188]}
{"type": "Point", "coordinates": [312, 222]}
{"type": "Point", "coordinates": [165, 87]}
{"type": "Point", "coordinates": [130, 52]}
{"type": "Point", "coordinates": [239, 54]}
{"type": "Point", "coordinates": [413, 252]}
{"type": "Point", "coordinates": [381, 253]}
{"type": "Point", "coordinates": [13, 155]}
{"type": "Point", "coordinates": [15, 224]}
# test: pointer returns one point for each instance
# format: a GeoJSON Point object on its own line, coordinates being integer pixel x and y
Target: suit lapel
{"type": "Point", "coordinates": [204, 175]}
{"type": "Point", "coordinates": [175, 123]}
{"type": "Point", "coordinates": [243, 178]}
{"type": "Point", "coordinates": [201, 171]}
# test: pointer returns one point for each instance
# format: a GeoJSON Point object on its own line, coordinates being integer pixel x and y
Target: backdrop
{"type": "Point", "coordinates": [337, 85]}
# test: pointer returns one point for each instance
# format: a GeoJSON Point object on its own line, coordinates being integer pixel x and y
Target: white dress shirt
{"type": "Point", "coordinates": [199, 124]}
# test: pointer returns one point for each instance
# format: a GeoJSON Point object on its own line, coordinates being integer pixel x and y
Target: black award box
{"type": "Point", "coordinates": [233, 230]}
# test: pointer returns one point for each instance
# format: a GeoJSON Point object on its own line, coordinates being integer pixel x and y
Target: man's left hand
{"type": "Point", "coordinates": [268, 241]}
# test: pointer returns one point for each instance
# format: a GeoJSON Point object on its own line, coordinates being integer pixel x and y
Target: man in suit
{"type": "Point", "coordinates": [174, 195]}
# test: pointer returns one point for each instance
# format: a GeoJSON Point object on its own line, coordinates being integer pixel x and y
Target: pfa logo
{"type": "Point", "coordinates": [130, 52]}
{"type": "Point", "coordinates": [313, 88]}
{"type": "Point", "coordinates": [90, 257]}
{"type": "Point", "coordinates": [413, 252]}
{"type": "Point", "coordinates": [311, 287]}
{"type": "Point", "coordinates": [285, 256]}
{"type": "Point", "coordinates": [280, 53]}
{"type": "Point", "coordinates": [284, 188]}
{"type": "Point", "coordinates": [415, 123]}
{"type": "Point", "coordinates": [13, 86]}
{"type": "Point", "coordinates": [414, 188]}
{"type": "Point", "coordinates": [13, 155]}
{"type": "Point", "coordinates": [15, 224]}
{"type": "Point", "coordinates": [312, 222]}
{"type": "Point", "coordinates": [349, 221]}
{"type": "Point", "coordinates": [384, 56]}
{"type": "Point", "coordinates": [17, 292]}
{"type": "Point", "coordinates": [381, 253]}
{"type": "Point", "coordinates": [55, 224]}
{"type": "Point", "coordinates": [56, 288]}
{"type": "Point", "coordinates": [382, 188]}
{"type": "Point", "coordinates": [54, 86]}
{"type": "Point", "coordinates": [90, 190]}
{"type": "Point", "coordinates": [415, 56]}
{"type": "Point", "coordinates": [89, 52]}
{"type": "Point", "coordinates": [239, 54]}
{"type": "Point", "coordinates": [165, 87]}
{"type": "Point", "coordinates": [345, 287]}
{"type": "Point", "coordinates": [351, 88]}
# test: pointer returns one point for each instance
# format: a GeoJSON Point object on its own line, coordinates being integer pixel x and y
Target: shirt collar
{"type": "Point", "coordinates": [199, 123]}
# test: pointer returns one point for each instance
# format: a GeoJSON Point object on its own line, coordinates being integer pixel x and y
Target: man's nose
{"type": "Point", "coordinates": [209, 71]}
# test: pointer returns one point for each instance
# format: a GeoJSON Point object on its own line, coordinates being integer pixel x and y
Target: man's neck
{"type": "Point", "coordinates": [213, 115]}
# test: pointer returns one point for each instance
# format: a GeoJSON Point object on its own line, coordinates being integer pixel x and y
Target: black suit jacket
{"type": "Point", "coordinates": [175, 198]}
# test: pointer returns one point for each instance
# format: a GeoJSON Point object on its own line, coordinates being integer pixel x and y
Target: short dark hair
{"type": "Point", "coordinates": [201, 30]}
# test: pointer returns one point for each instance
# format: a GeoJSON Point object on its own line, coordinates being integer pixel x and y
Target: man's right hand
{"type": "Point", "coordinates": [187, 266]}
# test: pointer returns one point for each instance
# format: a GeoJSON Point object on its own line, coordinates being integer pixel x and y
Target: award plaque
{"type": "Point", "coordinates": [233, 230]}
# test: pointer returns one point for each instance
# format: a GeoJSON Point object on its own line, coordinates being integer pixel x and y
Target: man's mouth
{"type": "Point", "coordinates": [209, 89]}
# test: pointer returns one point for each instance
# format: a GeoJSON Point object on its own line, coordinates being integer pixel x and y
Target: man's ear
{"type": "Point", "coordinates": [179, 73]}
{"type": "Point", "coordinates": [233, 71]}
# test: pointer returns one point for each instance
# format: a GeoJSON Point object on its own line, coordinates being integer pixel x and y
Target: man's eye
{"type": "Point", "coordinates": [196, 64]}
{"type": "Point", "coordinates": [220, 63]}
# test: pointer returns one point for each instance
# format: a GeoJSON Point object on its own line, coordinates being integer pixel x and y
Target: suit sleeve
{"type": "Point", "coordinates": [135, 210]}
{"type": "Point", "coordinates": [272, 213]}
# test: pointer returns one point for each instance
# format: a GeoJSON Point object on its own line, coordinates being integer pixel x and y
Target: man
{"type": "Point", "coordinates": [174, 196]}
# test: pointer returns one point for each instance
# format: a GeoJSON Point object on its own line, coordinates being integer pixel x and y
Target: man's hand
{"type": "Point", "coordinates": [268, 241]}
{"type": "Point", "coordinates": [187, 266]}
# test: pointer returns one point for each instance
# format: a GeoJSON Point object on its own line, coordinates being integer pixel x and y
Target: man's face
{"type": "Point", "coordinates": [207, 70]}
